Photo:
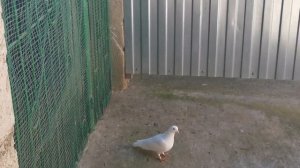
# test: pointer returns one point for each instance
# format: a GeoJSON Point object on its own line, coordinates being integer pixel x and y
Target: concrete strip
{"type": "Point", "coordinates": [8, 154]}
{"type": "Point", "coordinates": [117, 45]}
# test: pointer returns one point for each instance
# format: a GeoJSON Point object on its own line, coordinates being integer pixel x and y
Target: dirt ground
{"type": "Point", "coordinates": [223, 123]}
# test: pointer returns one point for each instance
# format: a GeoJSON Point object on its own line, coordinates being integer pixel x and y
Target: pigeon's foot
{"type": "Point", "coordinates": [161, 157]}
{"type": "Point", "coordinates": [164, 154]}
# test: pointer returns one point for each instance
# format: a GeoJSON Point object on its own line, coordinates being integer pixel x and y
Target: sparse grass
{"type": "Point", "coordinates": [288, 114]}
{"type": "Point", "coordinates": [172, 95]}
{"type": "Point", "coordinates": [166, 94]}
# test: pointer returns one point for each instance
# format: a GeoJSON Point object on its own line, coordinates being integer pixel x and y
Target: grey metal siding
{"type": "Point", "coordinates": [216, 38]}
{"type": "Point", "coordinates": [200, 37]}
{"type": "Point", "coordinates": [252, 38]}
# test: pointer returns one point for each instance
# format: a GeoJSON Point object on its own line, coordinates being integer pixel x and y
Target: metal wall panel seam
{"type": "Point", "coordinates": [200, 37]}
{"type": "Point", "coordinates": [128, 36]}
{"type": "Point", "coordinates": [183, 35]}
{"type": "Point", "coordinates": [243, 37]}
{"type": "Point", "coordinates": [217, 39]}
{"type": "Point", "coordinates": [149, 34]}
{"type": "Point", "coordinates": [208, 40]}
{"type": "Point", "coordinates": [296, 73]}
{"type": "Point", "coordinates": [166, 38]}
{"type": "Point", "coordinates": [235, 36]}
{"type": "Point", "coordinates": [132, 35]}
{"type": "Point", "coordinates": [261, 38]}
{"type": "Point", "coordinates": [191, 40]}
{"type": "Point", "coordinates": [284, 40]}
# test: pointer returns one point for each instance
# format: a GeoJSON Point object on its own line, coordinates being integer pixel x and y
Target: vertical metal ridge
{"type": "Point", "coordinates": [149, 34]}
{"type": "Point", "coordinates": [235, 36]}
{"type": "Point", "coordinates": [151, 54]}
{"type": "Point", "coordinates": [261, 37]}
{"type": "Point", "coordinates": [166, 38]}
{"type": "Point", "coordinates": [217, 40]}
{"type": "Point", "coordinates": [144, 36]}
{"type": "Point", "coordinates": [296, 51]}
{"type": "Point", "coordinates": [226, 34]}
{"type": "Point", "coordinates": [191, 46]}
{"type": "Point", "coordinates": [141, 38]}
{"type": "Point", "coordinates": [127, 36]}
{"type": "Point", "coordinates": [269, 34]}
{"type": "Point", "coordinates": [175, 23]}
{"type": "Point", "coordinates": [243, 41]}
{"type": "Point", "coordinates": [132, 36]}
{"type": "Point", "coordinates": [288, 40]}
{"type": "Point", "coordinates": [183, 35]}
{"type": "Point", "coordinates": [252, 39]}
{"type": "Point", "coordinates": [270, 39]}
{"type": "Point", "coordinates": [289, 31]}
{"type": "Point", "coordinates": [208, 40]}
{"type": "Point", "coordinates": [279, 39]}
{"type": "Point", "coordinates": [200, 37]}
{"type": "Point", "coordinates": [293, 39]}
{"type": "Point", "coordinates": [157, 43]}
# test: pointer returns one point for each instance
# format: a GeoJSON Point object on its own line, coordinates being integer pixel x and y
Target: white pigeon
{"type": "Point", "coordinates": [160, 143]}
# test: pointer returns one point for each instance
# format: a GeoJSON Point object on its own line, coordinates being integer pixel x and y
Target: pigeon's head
{"type": "Point", "coordinates": [173, 129]}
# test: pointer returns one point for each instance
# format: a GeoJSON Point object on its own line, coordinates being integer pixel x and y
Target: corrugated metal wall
{"type": "Point", "coordinates": [216, 38]}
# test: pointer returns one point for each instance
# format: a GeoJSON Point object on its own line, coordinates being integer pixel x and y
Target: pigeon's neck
{"type": "Point", "coordinates": [169, 134]}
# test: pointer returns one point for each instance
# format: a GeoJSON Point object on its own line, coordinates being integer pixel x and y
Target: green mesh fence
{"type": "Point", "coordinates": [60, 75]}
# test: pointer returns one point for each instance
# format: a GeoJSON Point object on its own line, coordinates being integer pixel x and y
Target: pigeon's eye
{"type": "Point", "coordinates": [174, 129]}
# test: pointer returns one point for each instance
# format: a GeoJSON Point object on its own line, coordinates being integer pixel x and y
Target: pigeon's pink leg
{"type": "Point", "coordinates": [161, 158]}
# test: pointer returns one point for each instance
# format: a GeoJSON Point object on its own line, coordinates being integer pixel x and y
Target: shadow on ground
{"type": "Point", "coordinates": [223, 123]}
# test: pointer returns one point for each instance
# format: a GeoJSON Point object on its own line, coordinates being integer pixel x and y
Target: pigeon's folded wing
{"type": "Point", "coordinates": [155, 143]}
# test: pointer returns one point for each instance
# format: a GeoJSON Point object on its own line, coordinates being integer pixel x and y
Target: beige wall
{"type": "Point", "coordinates": [117, 44]}
{"type": "Point", "coordinates": [8, 155]}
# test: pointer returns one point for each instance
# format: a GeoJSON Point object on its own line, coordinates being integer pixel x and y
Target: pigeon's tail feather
{"type": "Point", "coordinates": [137, 143]}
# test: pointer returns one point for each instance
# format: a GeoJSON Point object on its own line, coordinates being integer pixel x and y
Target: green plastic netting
{"type": "Point", "coordinates": [60, 75]}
